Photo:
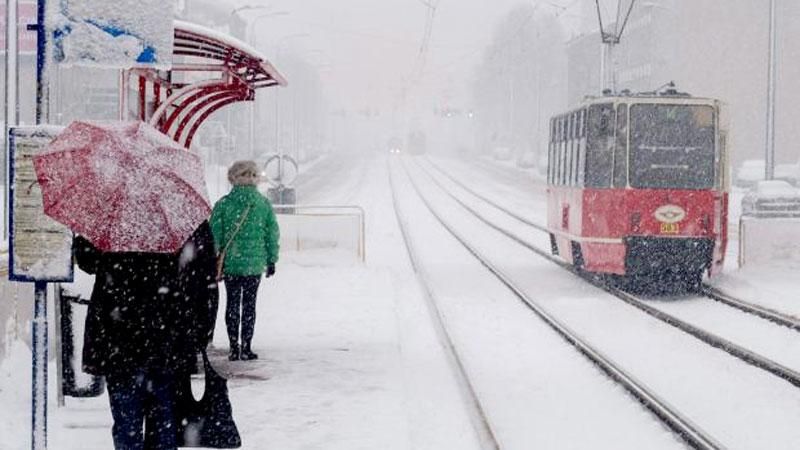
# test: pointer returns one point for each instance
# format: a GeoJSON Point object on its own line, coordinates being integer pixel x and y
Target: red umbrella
{"type": "Point", "coordinates": [124, 186]}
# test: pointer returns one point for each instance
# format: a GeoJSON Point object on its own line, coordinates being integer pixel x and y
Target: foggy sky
{"type": "Point", "coordinates": [368, 50]}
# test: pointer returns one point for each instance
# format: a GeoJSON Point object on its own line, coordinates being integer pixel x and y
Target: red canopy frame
{"type": "Point", "coordinates": [235, 71]}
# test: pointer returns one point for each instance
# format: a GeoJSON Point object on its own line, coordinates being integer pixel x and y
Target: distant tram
{"type": "Point", "coordinates": [638, 187]}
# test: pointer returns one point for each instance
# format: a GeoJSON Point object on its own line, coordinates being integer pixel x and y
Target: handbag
{"type": "Point", "coordinates": [207, 422]}
{"type": "Point", "coordinates": [221, 255]}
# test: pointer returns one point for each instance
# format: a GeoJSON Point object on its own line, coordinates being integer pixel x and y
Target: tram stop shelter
{"type": "Point", "coordinates": [210, 71]}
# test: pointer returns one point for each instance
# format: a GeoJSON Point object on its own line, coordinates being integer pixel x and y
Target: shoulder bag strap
{"type": "Point", "coordinates": [236, 231]}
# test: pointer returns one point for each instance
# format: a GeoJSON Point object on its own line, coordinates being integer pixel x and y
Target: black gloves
{"type": "Point", "coordinates": [270, 270]}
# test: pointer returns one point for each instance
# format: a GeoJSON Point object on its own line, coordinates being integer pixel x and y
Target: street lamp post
{"type": "Point", "coordinates": [769, 161]}
{"type": "Point", "coordinates": [233, 13]}
{"type": "Point", "coordinates": [278, 147]}
{"type": "Point", "coordinates": [301, 100]}
{"type": "Point", "coordinates": [252, 38]}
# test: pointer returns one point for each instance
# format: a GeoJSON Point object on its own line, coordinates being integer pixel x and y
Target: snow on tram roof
{"type": "Point", "coordinates": [219, 36]}
{"type": "Point", "coordinates": [647, 97]}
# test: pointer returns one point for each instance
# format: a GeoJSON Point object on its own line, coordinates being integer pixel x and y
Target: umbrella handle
{"type": "Point", "coordinates": [30, 187]}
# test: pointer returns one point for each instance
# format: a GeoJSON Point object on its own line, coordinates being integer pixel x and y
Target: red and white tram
{"type": "Point", "coordinates": [638, 186]}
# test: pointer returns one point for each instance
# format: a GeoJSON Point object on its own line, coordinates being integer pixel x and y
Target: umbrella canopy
{"type": "Point", "coordinates": [124, 186]}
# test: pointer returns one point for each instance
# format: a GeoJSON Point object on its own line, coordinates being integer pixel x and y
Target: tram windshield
{"type": "Point", "coordinates": [672, 146]}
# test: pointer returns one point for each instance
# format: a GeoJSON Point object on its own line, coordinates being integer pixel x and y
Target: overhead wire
{"type": "Point", "coordinates": [606, 36]}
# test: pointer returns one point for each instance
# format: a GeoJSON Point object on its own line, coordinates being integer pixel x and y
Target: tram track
{"type": "Point", "coordinates": [763, 312]}
{"type": "Point", "coordinates": [709, 291]}
{"type": "Point", "coordinates": [750, 357]}
{"type": "Point", "coordinates": [667, 414]}
{"type": "Point", "coordinates": [477, 414]}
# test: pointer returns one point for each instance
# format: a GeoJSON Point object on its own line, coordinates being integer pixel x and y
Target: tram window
{"type": "Point", "coordinates": [574, 163]}
{"type": "Point", "coordinates": [561, 149]}
{"type": "Point", "coordinates": [563, 156]}
{"type": "Point", "coordinates": [583, 123]}
{"type": "Point", "coordinates": [581, 161]}
{"type": "Point", "coordinates": [599, 146]}
{"type": "Point", "coordinates": [568, 156]}
{"type": "Point", "coordinates": [621, 148]}
{"type": "Point", "coordinates": [577, 148]}
{"type": "Point", "coordinates": [672, 146]}
{"type": "Point", "coordinates": [554, 152]}
{"type": "Point", "coordinates": [557, 174]}
{"type": "Point", "coordinates": [557, 154]}
{"type": "Point", "coordinates": [549, 149]}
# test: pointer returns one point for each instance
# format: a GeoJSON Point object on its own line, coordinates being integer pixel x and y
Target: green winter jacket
{"type": "Point", "coordinates": [256, 243]}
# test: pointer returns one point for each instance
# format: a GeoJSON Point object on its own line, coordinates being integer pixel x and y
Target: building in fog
{"type": "Point", "coordinates": [708, 48]}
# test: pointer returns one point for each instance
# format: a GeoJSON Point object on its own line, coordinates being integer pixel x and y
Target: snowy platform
{"type": "Point", "coordinates": [335, 370]}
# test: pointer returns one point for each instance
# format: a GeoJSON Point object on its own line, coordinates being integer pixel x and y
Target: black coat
{"type": "Point", "coordinates": [148, 310]}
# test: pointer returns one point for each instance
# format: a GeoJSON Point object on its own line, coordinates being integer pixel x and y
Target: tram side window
{"type": "Point", "coordinates": [560, 173]}
{"type": "Point", "coordinates": [581, 159]}
{"type": "Point", "coordinates": [554, 165]}
{"type": "Point", "coordinates": [569, 152]}
{"type": "Point", "coordinates": [621, 148]}
{"type": "Point", "coordinates": [576, 147]}
{"type": "Point", "coordinates": [600, 146]}
{"type": "Point", "coordinates": [550, 154]}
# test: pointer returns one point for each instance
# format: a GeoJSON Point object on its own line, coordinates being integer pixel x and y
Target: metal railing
{"type": "Point", "coordinates": [329, 211]}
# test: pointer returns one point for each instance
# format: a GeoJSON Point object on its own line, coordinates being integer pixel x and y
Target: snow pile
{"type": "Point", "coordinates": [774, 189]}
{"type": "Point", "coordinates": [118, 34]}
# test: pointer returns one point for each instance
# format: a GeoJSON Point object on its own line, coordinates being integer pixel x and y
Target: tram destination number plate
{"type": "Point", "coordinates": [670, 228]}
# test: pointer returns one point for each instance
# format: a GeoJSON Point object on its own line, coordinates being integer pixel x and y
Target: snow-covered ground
{"type": "Point", "coordinates": [350, 359]}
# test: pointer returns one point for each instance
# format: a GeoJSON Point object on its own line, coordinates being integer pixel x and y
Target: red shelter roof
{"type": "Point", "coordinates": [222, 70]}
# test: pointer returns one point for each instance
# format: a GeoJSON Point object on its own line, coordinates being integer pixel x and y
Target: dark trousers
{"type": "Point", "coordinates": [213, 306]}
{"type": "Point", "coordinates": [241, 292]}
{"type": "Point", "coordinates": [142, 405]}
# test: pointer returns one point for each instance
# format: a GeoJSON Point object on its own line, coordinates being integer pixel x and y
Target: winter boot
{"type": "Point", "coordinates": [234, 354]}
{"type": "Point", "coordinates": [248, 354]}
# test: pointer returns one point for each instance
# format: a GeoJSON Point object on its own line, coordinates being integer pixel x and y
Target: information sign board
{"type": "Point", "coordinates": [40, 249]}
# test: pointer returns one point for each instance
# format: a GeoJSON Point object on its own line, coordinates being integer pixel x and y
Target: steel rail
{"type": "Point", "coordinates": [477, 414]}
{"type": "Point", "coordinates": [464, 186]}
{"type": "Point", "coordinates": [751, 308]}
{"type": "Point", "coordinates": [748, 356]}
{"type": "Point", "coordinates": [670, 416]}
{"type": "Point", "coordinates": [707, 290]}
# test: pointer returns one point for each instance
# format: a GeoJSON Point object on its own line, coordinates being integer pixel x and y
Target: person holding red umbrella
{"type": "Point", "coordinates": [137, 202]}
{"type": "Point", "coordinates": [246, 235]}
{"type": "Point", "coordinates": [145, 324]}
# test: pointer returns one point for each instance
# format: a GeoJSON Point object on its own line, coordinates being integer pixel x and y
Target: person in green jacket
{"type": "Point", "coordinates": [245, 229]}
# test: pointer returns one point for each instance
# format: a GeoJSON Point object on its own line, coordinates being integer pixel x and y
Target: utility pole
{"type": "Point", "coordinates": [769, 161]}
{"type": "Point", "coordinates": [608, 69]}
{"type": "Point", "coordinates": [251, 37]}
